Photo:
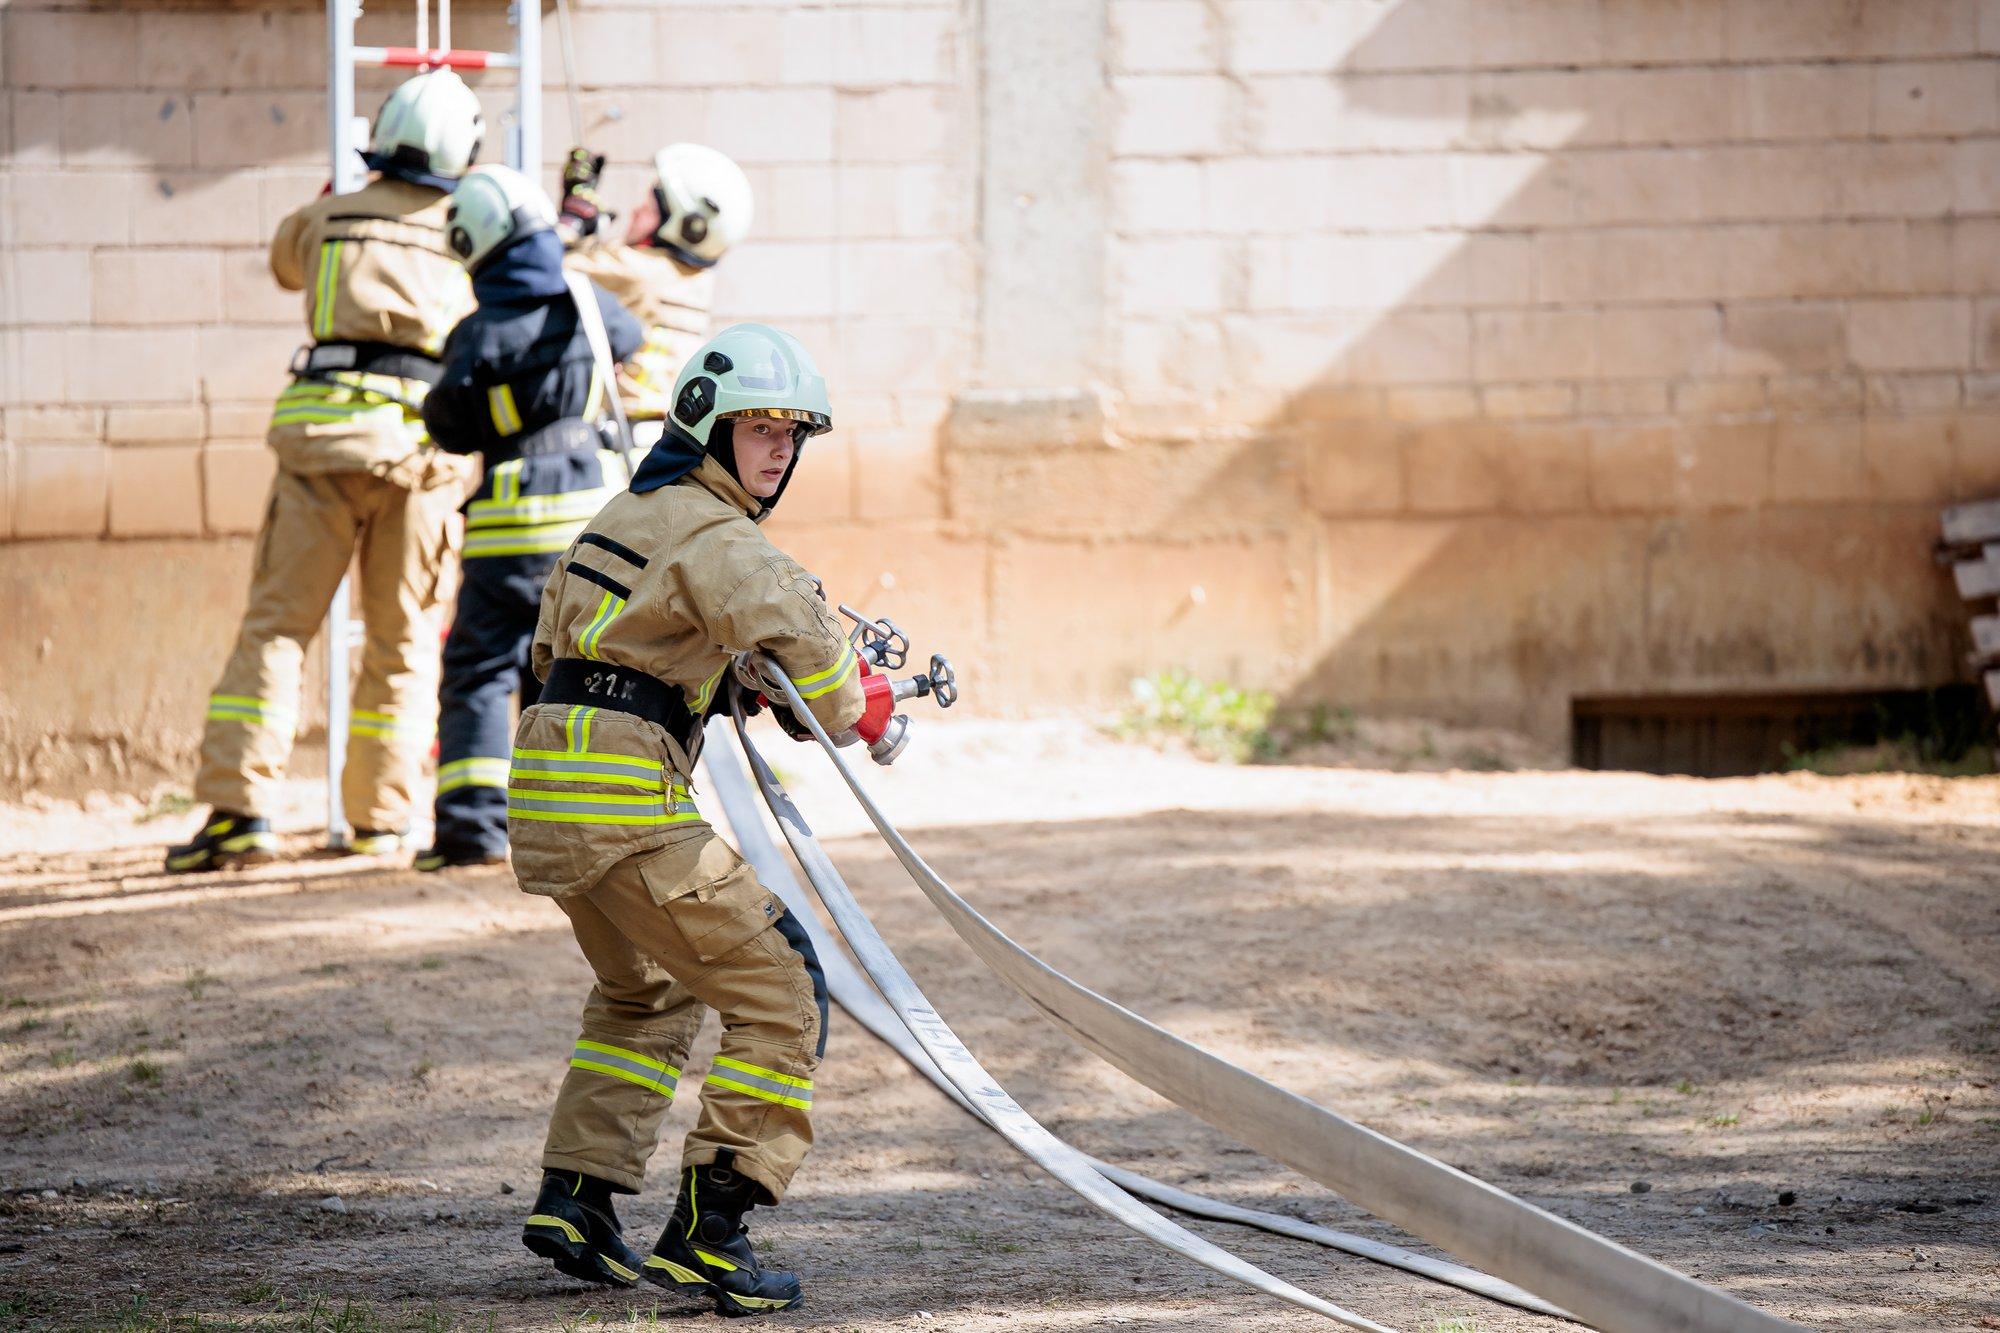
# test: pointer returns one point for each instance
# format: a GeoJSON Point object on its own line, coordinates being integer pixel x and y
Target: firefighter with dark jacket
{"type": "Point", "coordinates": [523, 386]}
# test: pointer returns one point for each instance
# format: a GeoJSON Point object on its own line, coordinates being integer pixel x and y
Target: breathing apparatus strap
{"type": "Point", "coordinates": [592, 320]}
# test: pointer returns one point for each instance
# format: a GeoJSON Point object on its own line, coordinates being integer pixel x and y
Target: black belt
{"type": "Point", "coordinates": [365, 358]}
{"type": "Point", "coordinates": [568, 436]}
{"type": "Point", "coordinates": [577, 680]}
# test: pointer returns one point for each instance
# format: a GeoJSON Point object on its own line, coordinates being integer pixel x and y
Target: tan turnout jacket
{"type": "Point", "coordinates": [670, 299]}
{"type": "Point", "coordinates": [674, 583]}
{"type": "Point", "coordinates": [374, 268]}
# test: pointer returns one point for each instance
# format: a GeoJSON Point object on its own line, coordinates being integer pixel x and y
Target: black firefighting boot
{"type": "Point", "coordinates": [226, 839]}
{"type": "Point", "coordinates": [574, 1224]}
{"type": "Point", "coordinates": [440, 856]}
{"type": "Point", "coordinates": [707, 1247]}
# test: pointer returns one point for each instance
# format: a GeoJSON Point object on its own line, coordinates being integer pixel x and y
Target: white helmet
{"type": "Point", "coordinates": [430, 126]}
{"type": "Point", "coordinates": [704, 200]}
{"type": "Point", "coordinates": [493, 207]}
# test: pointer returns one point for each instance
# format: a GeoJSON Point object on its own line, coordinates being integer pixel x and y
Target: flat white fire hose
{"type": "Point", "coordinates": [981, 1090]}
{"type": "Point", "coordinates": [851, 989]}
{"type": "Point", "coordinates": [1600, 1282]}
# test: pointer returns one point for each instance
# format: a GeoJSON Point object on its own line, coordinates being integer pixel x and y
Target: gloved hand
{"type": "Point", "coordinates": [735, 694]}
{"type": "Point", "coordinates": [582, 206]}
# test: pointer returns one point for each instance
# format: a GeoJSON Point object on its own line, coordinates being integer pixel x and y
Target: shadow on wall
{"type": "Point", "coordinates": [1563, 376]}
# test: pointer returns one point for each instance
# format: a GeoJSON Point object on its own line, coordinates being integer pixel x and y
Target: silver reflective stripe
{"type": "Point", "coordinates": [519, 800]}
{"type": "Point", "coordinates": [583, 766]}
{"type": "Point", "coordinates": [601, 1061]}
{"type": "Point", "coordinates": [789, 1093]}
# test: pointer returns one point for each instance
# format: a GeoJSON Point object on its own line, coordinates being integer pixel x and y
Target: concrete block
{"type": "Point", "coordinates": [1659, 468]}
{"type": "Point", "coordinates": [32, 127]}
{"type": "Point", "coordinates": [626, 49]}
{"type": "Point", "coordinates": [56, 425]}
{"type": "Point", "coordinates": [70, 208]}
{"type": "Point", "coordinates": [60, 489]}
{"type": "Point", "coordinates": [132, 365]}
{"type": "Point", "coordinates": [890, 125]}
{"type": "Point", "coordinates": [259, 129]}
{"type": "Point", "coordinates": [1621, 398]}
{"type": "Point", "coordinates": [1817, 461]}
{"type": "Point", "coordinates": [1975, 461]}
{"type": "Point", "coordinates": [1803, 101]}
{"type": "Point", "coordinates": [1663, 107]}
{"type": "Point", "coordinates": [156, 492]}
{"type": "Point", "coordinates": [1431, 36]}
{"type": "Point", "coordinates": [1988, 326]}
{"type": "Point", "coordinates": [890, 278]}
{"type": "Point", "coordinates": [48, 49]}
{"type": "Point", "coordinates": [1411, 347]}
{"type": "Point", "coordinates": [244, 364]}
{"type": "Point", "coordinates": [1908, 461]}
{"type": "Point", "coordinates": [1356, 469]}
{"type": "Point", "coordinates": [1358, 112]}
{"type": "Point", "coordinates": [1904, 393]}
{"type": "Point", "coordinates": [280, 192]}
{"type": "Point", "coordinates": [1487, 467]}
{"type": "Point", "coordinates": [199, 208]}
{"type": "Point", "coordinates": [1430, 402]}
{"type": "Point", "coordinates": [1178, 356]}
{"type": "Point", "coordinates": [1839, 394]}
{"type": "Point", "coordinates": [236, 485]}
{"type": "Point", "coordinates": [1667, 32]}
{"type": "Point", "coordinates": [249, 293]}
{"type": "Point", "coordinates": [156, 287]}
{"type": "Point", "coordinates": [732, 48]}
{"type": "Point", "coordinates": [1651, 342]}
{"type": "Point", "coordinates": [39, 359]}
{"type": "Point", "coordinates": [7, 455]}
{"type": "Point", "coordinates": [1513, 345]}
{"type": "Point", "coordinates": [1643, 186]}
{"type": "Point", "coordinates": [49, 286]}
{"type": "Point", "coordinates": [1800, 337]}
{"type": "Point", "coordinates": [1929, 257]}
{"type": "Point", "coordinates": [781, 279]}
{"type": "Point", "coordinates": [824, 491]}
{"type": "Point", "coordinates": [202, 49]}
{"type": "Point", "coordinates": [1975, 256]}
{"type": "Point", "coordinates": [1975, 176]}
{"type": "Point", "coordinates": [1924, 334]}
{"type": "Point", "coordinates": [1292, 36]}
{"type": "Point", "coordinates": [154, 425]}
{"type": "Point", "coordinates": [1536, 111]}
{"type": "Point", "coordinates": [1936, 97]}
{"type": "Point", "coordinates": [1628, 264]}
{"type": "Point", "coordinates": [1804, 260]}
{"type": "Point", "coordinates": [1501, 269]}
{"type": "Point", "coordinates": [1537, 32]}
{"type": "Point", "coordinates": [892, 354]}
{"type": "Point", "coordinates": [1274, 195]}
{"type": "Point", "coordinates": [1164, 197]}
{"type": "Point", "coordinates": [781, 125]}
{"type": "Point", "coordinates": [1894, 179]}
{"type": "Point", "coordinates": [1172, 115]}
{"type": "Point", "coordinates": [892, 45]}
{"type": "Point", "coordinates": [127, 130]}
{"type": "Point", "coordinates": [1719, 397]}
{"type": "Point", "coordinates": [238, 421]}
{"type": "Point", "coordinates": [1512, 190]}
{"type": "Point", "coordinates": [1164, 37]}
{"type": "Point", "coordinates": [1523, 402]}
{"type": "Point", "coordinates": [1834, 29]}
{"type": "Point", "coordinates": [1762, 184]}
{"type": "Point", "coordinates": [1181, 274]}
{"type": "Point", "coordinates": [1397, 192]}
{"type": "Point", "coordinates": [899, 475]}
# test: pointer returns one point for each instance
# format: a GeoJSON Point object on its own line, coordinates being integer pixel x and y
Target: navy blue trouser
{"type": "Point", "coordinates": [485, 663]}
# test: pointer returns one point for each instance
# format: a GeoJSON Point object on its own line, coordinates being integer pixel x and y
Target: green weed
{"type": "Point", "coordinates": [62, 1057]}
{"type": "Point", "coordinates": [148, 1072]}
{"type": "Point", "coordinates": [166, 804]}
{"type": "Point", "coordinates": [1215, 721]}
{"type": "Point", "coordinates": [197, 982]}
{"type": "Point", "coordinates": [425, 1068]}
{"type": "Point", "coordinates": [1686, 1087]}
{"type": "Point", "coordinates": [1724, 1120]}
{"type": "Point", "coordinates": [431, 963]}
{"type": "Point", "coordinates": [1455, 1324]}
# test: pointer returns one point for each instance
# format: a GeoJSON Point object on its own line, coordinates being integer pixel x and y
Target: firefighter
{"type": "Point", "coordinates": [639, 625]}
{"type": "Point", "coordinates": [356, 473]}
{"type": "Point", "coordinates": [523, 387]}
{"type": "Point", "coordinates": [699, 206]}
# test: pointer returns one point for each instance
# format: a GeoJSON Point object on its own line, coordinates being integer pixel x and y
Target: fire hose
{"type": "Point", "coordinates": [1604, 1284]}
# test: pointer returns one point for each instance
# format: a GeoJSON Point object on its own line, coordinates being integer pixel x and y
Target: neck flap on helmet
{"type": "Point", "coordinates": [394, 164]}
{"type": "Point", "coordinates": [678, 453]}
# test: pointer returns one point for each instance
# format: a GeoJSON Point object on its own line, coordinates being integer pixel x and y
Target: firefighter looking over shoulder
{"type": "Point", "coordinates": [639, 626]}
{"type": "Point", "coordinates": [663, 272]}
{"type": "Point", "coordinates": [524, 384]}
{"type": "Point", "coordinates": [356, 473]}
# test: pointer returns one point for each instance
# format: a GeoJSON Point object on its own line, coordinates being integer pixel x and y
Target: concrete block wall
{"type": "Point", "coordinates": [1458, 356]}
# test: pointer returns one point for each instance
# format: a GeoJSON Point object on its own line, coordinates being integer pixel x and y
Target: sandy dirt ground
{"type": "Point", "coordinates": [1770, 1002]}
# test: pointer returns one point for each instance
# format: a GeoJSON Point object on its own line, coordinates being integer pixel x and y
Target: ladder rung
{"type": "Point", "coordinates": [410, 57]}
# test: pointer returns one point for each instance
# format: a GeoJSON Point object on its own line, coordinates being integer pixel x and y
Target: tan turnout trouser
{"type": "Point", "coordinates": [312, 531]}
{"type": "Point", "coordinates": [672, 933]}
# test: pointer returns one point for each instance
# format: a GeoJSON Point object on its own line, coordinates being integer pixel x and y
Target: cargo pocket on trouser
{"type": "Point", "coordinates": [710, 895]}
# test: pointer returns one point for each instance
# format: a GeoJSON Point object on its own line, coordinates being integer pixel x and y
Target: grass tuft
{"type": "Point", "coordinates": [1215, 721]}
{"type": "Point", "coordinates": [148, 1072]}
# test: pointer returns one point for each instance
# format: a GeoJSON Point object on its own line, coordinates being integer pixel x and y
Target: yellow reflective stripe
{"type": "Point", "coordinates": [602, 779]}
{"type": "Point", "coordinates": [839, 672]}
{"type": "Point", "coordinates": [518, 811]}
{"type": "Point", "coordinates": [500, 404]}
{"type": "Point", "coordinates": [576, 728]}
{"type": "Point", "coordinates": [605, 1048]}
{"type": "Point", "coordinates": [758, 1071]}
{"type": "Point", "coordinates": [244, 708]}
{"type": "Point", "coordinates": [551, 1220]}
{"type": "Point", "coordinates": [619, 760]}
{"type": "Point", "coordinates": [522, 541]}
{"type": "Point", "coordinates": [586, 798]}
{"type": "Point", "coordinates": [707, 690]}
{"type": "Point", "coordinates": [536, 508]}
{"type": "Point", "coordinates": [607, 611]}
{"type": "Point", "coordinates": [761, 1094]}
{"type": "Point", "coordinates": [364, 723]}
{"type": "Point", "coordinates": [326, 288]}
{"type": "Point", "coordinates": [478, 771]}
{"type": "Point", "coordinates": [507, 480]}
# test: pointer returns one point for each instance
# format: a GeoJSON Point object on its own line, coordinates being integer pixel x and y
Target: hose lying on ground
{"type": "Point", "coordinates": [1600, 1282]}
{"type": "Point", "coordinates": [853, 991]}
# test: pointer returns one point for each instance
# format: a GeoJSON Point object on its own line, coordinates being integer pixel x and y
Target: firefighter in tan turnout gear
{"type": "Point", "coordinates": [664, 270]}
{"type": "Point", "coordinates": [356, 473]}
{"type": "Point", "coordinates": [639, 626]}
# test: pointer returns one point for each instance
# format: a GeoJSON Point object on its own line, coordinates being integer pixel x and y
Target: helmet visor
{"type": "Point", "coordinates": [818, 421]}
